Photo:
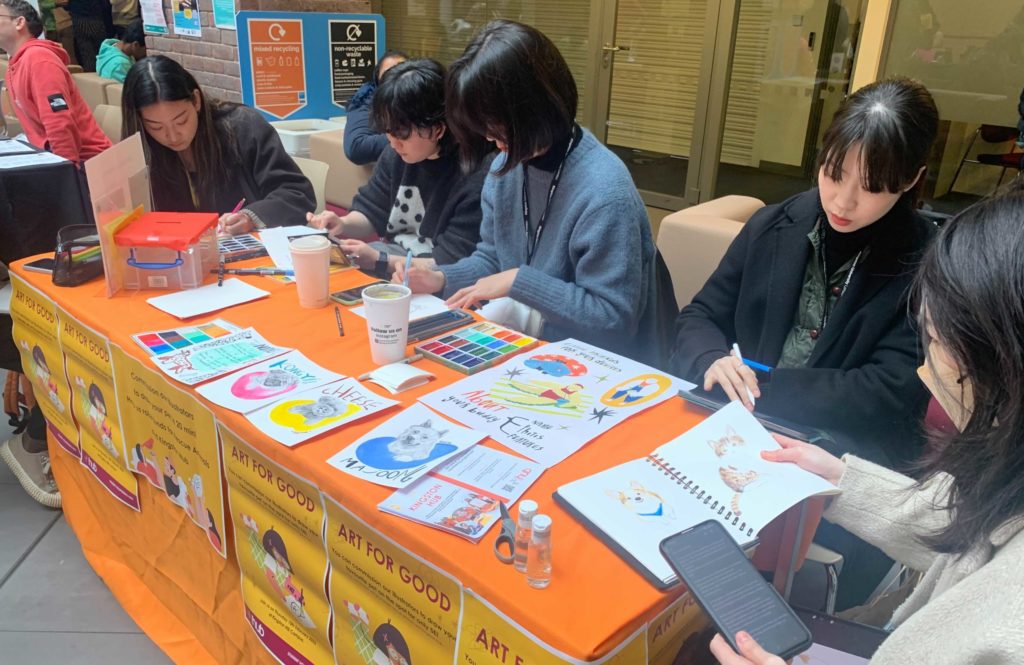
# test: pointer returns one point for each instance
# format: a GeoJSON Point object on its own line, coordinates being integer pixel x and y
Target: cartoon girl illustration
{"type": "Point", "coordinates": [177, 490]}
{"type": "Point", "coordinates": [263, 385]}
{"type": "Point", "coordinates": [278, 570]}
{"type": "Point", "coordinates": [392, 646]}
{"type": "Point", "coordinates": [44, 377]}
{"type": "Point", "coordinates": [142, 464]}
{"type": "Point", "coordinates": [96, 413]}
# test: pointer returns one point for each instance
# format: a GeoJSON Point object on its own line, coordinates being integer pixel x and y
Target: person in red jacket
{"type": "Point", "coordinates": [45, 97]}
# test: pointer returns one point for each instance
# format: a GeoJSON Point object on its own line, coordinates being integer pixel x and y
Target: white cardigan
{"type": "Point", "coordinates": [967, 609]}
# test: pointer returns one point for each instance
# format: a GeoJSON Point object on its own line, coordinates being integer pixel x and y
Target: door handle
{"type": "Point", "coordinates": [612, 48]}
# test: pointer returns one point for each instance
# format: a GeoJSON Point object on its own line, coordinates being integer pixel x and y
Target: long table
{"type": "Point", "coordinates": [188, 598]}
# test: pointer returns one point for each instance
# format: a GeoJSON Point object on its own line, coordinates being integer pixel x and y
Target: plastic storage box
{"type": "Point", "coordinates": [168, 250]}
{"type": "Point", "coordinates": [295, 133]}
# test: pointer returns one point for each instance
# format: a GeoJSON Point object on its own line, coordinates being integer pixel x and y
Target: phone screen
{"type": "Point", "coordinates": [40, 265]}
{"type": "Point", "coordinates": [725, 583]}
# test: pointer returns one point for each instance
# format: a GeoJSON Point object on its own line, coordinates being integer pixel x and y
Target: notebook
{"type": "Point", "coordinates": [713, 471]}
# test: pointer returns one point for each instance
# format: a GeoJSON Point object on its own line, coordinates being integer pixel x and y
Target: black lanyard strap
{"type": "Point", "coordinates": [531, 243]}
{"type": "Point", "coordinates": [825, 309]}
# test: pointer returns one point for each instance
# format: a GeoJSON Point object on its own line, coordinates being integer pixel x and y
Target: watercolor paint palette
{"type": "Point", "coordinates": [242, 244]}
{"type": "Point", "coordinates": [164, 341]}
{"type": "Point", "coordinates": [476, 348]}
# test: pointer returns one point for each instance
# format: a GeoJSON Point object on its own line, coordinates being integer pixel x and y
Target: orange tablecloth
{"type": "Point", "coordinates": [188, 600]}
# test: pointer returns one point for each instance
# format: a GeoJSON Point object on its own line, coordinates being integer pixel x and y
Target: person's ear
{"type": "Point", "coordinates": [197, 100]}
{"type": "Point", "coordinates": [920, 174]}
{"type": "Point", "coordinates": [439, 131]}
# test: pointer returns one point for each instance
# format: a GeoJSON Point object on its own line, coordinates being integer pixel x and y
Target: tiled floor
{"type": "Point", "coordinates": [53, 607]}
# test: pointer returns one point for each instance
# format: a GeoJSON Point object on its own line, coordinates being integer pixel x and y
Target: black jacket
{"type": "Point", "coordinates": [860, 383]}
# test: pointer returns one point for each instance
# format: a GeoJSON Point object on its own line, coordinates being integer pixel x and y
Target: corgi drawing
{"type": "Point", "coordinates": [642, 502]}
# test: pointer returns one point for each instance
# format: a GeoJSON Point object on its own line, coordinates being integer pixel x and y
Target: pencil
{"type": "Point", "coordinates": [404, 361]}
{"type": "Point", "coordinates": [408, 264]}
{"type": "Point", "coordinates": [337, 315]}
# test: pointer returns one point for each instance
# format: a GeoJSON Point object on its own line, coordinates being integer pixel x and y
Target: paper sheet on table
{"type": "Point", "coordinates": [276, 241]}
{"type": "Point", "coordinates": [32, 159]}
{"type": "Point", "coordinates": [209, 298]}
{"type": "Point", "coordinates": [11, 147]}
{"type": "Point", "coordinates": [421, 304]}
{"type": "Point", "coordinates": [208, 360]}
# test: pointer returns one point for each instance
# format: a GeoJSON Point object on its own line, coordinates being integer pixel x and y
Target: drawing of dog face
{"type": "Point", "coordinates": [722, 446]}
{"type": "Point", "coordinates": [261, 385]}
{"type": "Point", "coordinates": [416, 443]}
{"type": "Point", "coordinates": [642, 502]}
{"type": "Point", "coordinates": [323, 409]}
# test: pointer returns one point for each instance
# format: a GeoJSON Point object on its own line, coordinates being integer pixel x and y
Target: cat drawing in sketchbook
{"type": "Point", "coordinates": [411, 447]}
{"type": "Point", "coordinates": [735, 469]}
{"type": "Point", "coordinates": [642, 502]}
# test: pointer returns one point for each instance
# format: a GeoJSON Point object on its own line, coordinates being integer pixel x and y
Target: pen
{"type": "Point", "coordinates": [255, 271]}
{"type": "Point", "coordinates": [337, 315]}
{"type": "Point", "coordinates": [220, 272]}
{"type": "Point", "coordinates": [404, 361]}
{"type": "Point", "coordinates": [238, 206]}
{"type": "Point", "coordinates": [408, 264]}
{"type": "Point", "coordinates": [750, 393]}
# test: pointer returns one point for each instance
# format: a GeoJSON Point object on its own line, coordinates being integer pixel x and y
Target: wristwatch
{"type": "Point", "coordinates": [380, 268]}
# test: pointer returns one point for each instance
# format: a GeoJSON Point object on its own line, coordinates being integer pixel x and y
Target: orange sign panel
{"type": "Point", "coordinates": [278, 65]}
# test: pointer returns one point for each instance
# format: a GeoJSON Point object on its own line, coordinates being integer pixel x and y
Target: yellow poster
{"type": "Point", "coordinates": [172, 442]}
{"type": "Point", "coordinates": [94, 403]}
{"type": "Point", "coordinates": [488, 637]}
{"type": "Point", "coordinates": [680, 623]}
{"type": "Point", "coordinates": [278, 521]}
{"type": "Point", "coordinates": [35, 332]}
{"type": "Point", "coordinates": [392, 608]}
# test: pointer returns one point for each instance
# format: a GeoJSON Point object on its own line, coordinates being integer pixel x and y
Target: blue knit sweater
{"type": "Point", "coordinates": [592, 274]}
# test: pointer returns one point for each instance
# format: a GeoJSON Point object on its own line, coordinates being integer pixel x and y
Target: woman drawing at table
{"type": "Point", "coordinates": [963, 521]}
{"type": "Point", "coordinates": [565, 238]}
{"type": "Point", "coordinates": [418, 199]}
{"type": "Point", "coordinates": [816, 286]}
{"type": "Point", "coordinates": [207, 155]}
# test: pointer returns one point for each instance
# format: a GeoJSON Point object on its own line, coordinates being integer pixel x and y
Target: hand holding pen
{"type": "Point", "coordinates": [736, 378]}
{"type": "Point", "coordinates": [235, 222]}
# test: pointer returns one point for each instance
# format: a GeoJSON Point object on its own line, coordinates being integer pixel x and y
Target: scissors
{"type": "Point", "coordinates": [506, 541]}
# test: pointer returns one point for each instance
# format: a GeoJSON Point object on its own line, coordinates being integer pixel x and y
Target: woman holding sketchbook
{"type": "Point", "coordinates": [210, 156]}
{"type": "Point", "coordinates": [963, 521]}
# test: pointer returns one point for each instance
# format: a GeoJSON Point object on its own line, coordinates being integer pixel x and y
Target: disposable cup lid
{"type": "Point", "coordinates": [373, 291]}
{"type": "Point", "coordinates": [309, 243]}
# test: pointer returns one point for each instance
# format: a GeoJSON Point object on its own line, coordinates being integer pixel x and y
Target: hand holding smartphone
{"type": "Point", "coordinates": [731, 592]}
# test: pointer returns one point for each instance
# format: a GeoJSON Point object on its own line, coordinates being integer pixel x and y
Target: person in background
{"type": "Point", "coordinates": [46, 8]}
{"type": "Point", "coordinates": [45, 98]}
{"type": "Point", "coordinates": [565, 238]}
{"type": "Point", "coordinates": [417, 200]}
{"type": "Point", "coordinates": [123, 14]}
{"type": "Point", "coordinates": [364, 143]}
{"type": "Point", "coordinates": [206, 155]}
{"type": "Point", "coordinates": [92, 22]}
{"type": "Point", "coordinates": [117, 56]}
{"type": "Point", "coordinates": [962, 521]}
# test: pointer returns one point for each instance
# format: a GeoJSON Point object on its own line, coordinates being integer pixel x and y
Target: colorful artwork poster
{"type": "Point", "coordinates": [94, 404]}
{"type": "Point", "coordinates": [549, 403]}
{"type": "Point", "coordinates": [278, 520]}
{"type": "Point", "coordinates": [172, 443]}
{"type": "Point", "coordinates": [405, 448]}
{"type": "Point", "coordinates": [186, 18]}
{"type": "Point", "coordinates": [224, 14]}
{"type": "Point", "coordinates": [392, 606]}
{"type": "Point", "coordinates": [36, 334]}
{"type": "Point", "coordinates": [677, 628]}
{"type": "Point", "coordinates": [216, 357]}
{"type": "Point", "coordinates": [489, 637]}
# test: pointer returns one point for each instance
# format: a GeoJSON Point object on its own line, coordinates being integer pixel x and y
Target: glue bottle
{"type": "Point", "coordinates": [527, 509]}
{"type": "Point", "coordinates": [538, 562]}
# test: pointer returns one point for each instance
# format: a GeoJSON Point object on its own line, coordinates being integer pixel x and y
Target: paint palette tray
{"type": "Point", "coordinates": [477, 347]}
{"type": "Point", "coordinates": [246, 246]}
{"type": "Point", "coordinates": [163, 341]}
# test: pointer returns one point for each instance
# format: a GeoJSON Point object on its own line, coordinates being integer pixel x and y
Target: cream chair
{"type": "Point", "coordinates": [318, 174]}
{"type": "Point", "coordinates": [345, 178]}
{"type": "Point", "coordinates": [109, 119]}
{"type": "Point", "coordinates": [93, 88]}
{"type": "Point", "coordinates": [693, 240]}
{"type": "Point", "coordinates": [114, 94]}
{"type": "Point", "coordinates": [11, 126]}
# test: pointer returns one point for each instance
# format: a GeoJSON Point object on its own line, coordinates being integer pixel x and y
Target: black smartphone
{"type": "Point", "coordinates": [354, 296]}
{"type": "Point", "coordinates": [731, 592]}
{"type": "Point", "coordinates": [40, 265]}
{"type": "Point", "coordinates": [713, 401]}
{"type": "Point", "coordinates": [435, 324]}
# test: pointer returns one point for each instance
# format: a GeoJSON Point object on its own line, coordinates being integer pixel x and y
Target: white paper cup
{"type": "Point", "coordinates": [387, 321]}
{"type": "Point", "coordinates": [311, 260]}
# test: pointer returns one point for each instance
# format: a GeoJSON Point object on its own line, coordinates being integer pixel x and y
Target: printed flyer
{"type": "Point", "coordinates": [94, 404]}
{"type": "Point", "coordinates": [404, 448]}
{"type": "Point", "coordinates": [202, 362]}
{"type": "Point", "coordinates": [488, 637]}
{"type": "Point", "coordinates": [463, 495]}
{"type": "Point", "coordinates": [278, 521]}
{"type": "Point", "coordinates": [186, 18]}
{"type": "Point", "coordinates": [392, 606]}
{"type": "Point", "coordinates": [35, 332]}
{"type": "Point", "coordinates": [549, 403]}
{"type": "Point", "coordinates": [262, 384]}
{"type": "Point", "coordinates": [172, 442]}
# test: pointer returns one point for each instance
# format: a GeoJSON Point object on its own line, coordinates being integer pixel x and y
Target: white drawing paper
{"type": "Point", "coordinates": [208, 360]}
{"type": "Point", "coordinates": [262, 384]}
{"type": "Point", "coordinates": [209, 298]}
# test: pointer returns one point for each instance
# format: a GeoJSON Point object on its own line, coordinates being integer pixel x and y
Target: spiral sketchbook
{"type": "Point", "coordinates": [712, 471]}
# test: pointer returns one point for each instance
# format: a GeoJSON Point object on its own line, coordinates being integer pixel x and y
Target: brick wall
{"type": "Point", "coordinates": [213, 59]}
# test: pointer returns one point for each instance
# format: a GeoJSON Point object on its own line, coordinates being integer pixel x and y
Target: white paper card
{"type": "Point", "coordinates": [11, 147]}
{"type": "Point", "coordinates": [276, 241]}
{"type": "Point", "coordinates": [262, 384]}
{"type": "Point", "coordinates": [420, 305]}
{"type": "Point", "coordinates": [209, 298]}
{"type": "Point", "coordinates": [10, 161]}
{"type": "Point", "coordinates": [208, 360]}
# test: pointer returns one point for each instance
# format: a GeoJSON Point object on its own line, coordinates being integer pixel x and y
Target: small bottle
{"type": "Point", "coordinates": [538, 557]}
{"type": "Point", "coordinates": [527, 509]}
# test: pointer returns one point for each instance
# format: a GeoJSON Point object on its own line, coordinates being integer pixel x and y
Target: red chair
{"type": "Point", "coordinates": [992, 134]}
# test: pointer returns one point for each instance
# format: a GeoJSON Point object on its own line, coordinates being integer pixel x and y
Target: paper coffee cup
{"type": "Point", "coordinates": [387, 321]}
{"type": "Point", "coordinates": [311, 260]}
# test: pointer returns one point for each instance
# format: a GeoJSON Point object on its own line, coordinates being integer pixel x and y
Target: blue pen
{"type": "Point", "coordinates": [756, 366]}
{"type": "Point", "coordinates": [408, 264]}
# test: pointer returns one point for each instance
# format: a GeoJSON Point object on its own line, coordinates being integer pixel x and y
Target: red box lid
{"type": "Point", "coordinates": [174, 230]}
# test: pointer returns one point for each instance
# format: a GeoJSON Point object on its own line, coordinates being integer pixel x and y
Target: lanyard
{"type": "Point", "coordinates": [824, 270]}
{"type": "Point", "coordinates": [531, 243]}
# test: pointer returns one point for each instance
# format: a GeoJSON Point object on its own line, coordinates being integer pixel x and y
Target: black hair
{"type": "Point", "coordinates": [158, 78]}
{"type": "Point", "coordinates": [388, 55]}
{"type": "Point", "coordinates": [971, 284]}
{"type": "Point", "coordinates": [411, 96]}
{"type": "Point", "coordinates": [134, 33]}
{"type": "Point", "coordinates": [20, 8]}
{"type": "Point", "coordinates": [95, 395]}
{"type": "Point", "coordinates": [513, 84]}
{"type": "Point", "coordinates": [39, 357]}
{"type": "Point", "coordinates": [272, 540]}
{"type": "Point", "coordinates": [894, 123]}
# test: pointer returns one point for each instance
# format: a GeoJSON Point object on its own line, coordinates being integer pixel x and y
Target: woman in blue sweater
{"type": "Point", "coordinates": [564, 237]}
{"type": "Point", "coordinates": [363, 142]}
